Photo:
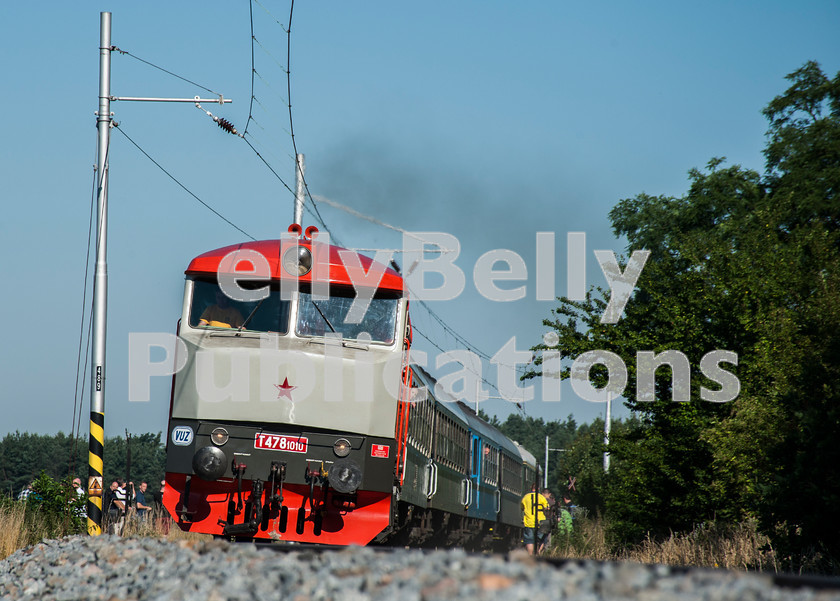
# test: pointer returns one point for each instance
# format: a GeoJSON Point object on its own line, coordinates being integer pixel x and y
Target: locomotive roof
{"type": "Point", "coordinates": [209, 263]}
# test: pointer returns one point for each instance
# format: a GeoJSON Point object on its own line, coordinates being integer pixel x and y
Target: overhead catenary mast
{"type": "Point", "coordinates": [104, 122]}
{"type": "Point", "coordinates": [100, 284]}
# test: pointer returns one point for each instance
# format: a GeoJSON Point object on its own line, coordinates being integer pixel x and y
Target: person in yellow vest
{"type": "Point", "coordinates": [534, 510]}
{"type": "Point", "coordinates": [221, 315]}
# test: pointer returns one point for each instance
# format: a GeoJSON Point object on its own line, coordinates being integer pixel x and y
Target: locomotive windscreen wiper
{"type": "Point", "coordinates": [245, 323]}
{"type": "Point", "coordinates": [321, 313]}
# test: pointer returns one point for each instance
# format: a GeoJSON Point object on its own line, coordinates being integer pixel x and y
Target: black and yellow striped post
{"type": "Point", "coordinates": [95, 469]}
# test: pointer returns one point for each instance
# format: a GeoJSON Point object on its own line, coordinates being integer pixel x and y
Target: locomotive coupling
{"type": "Point", "coordinates": [252, 518]}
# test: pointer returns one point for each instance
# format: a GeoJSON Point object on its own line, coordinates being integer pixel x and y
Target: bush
{"type": "Point", "coordinates": [53, 509]}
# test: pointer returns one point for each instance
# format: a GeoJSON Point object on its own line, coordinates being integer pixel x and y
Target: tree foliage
{"type": "Point", "coordinates": [23, 456]}
{"type": "Point", "coordinates": [748, 263]}
{"type": "Point", "coordinates": [531, 433]}
{"type": "Point", "coordinates": [576, 453]}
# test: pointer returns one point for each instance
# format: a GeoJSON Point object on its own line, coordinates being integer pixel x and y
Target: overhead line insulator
{"type": "Point", "coordinates": [220, 121]}
{"type": "Point", "coordinates": [226, 125]}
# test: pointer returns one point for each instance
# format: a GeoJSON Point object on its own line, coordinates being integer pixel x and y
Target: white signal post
{"type": "Point", "coordinates": [547, 449]}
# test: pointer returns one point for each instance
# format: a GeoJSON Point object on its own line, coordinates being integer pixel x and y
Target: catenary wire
{"type": "Point", "coordinates": [100, 179]}
{"type": "Point", "coordinates": [268, 114]}
{"type": "Point", "coordinates": [126, 52]}
{"type": "Point", "coordinates": [441, 349]}
{"type": "Point", "coordinates": [79, 395]}
{"type": "Point", "coordinates": [264, 147]}
{"type": "Point", "coordinates": [374, 220]}
{"type": "Point", "coordinates": [268, 12]}
{"type": "Point", "coordinates": [187, 190]}
{"type": "Point", "coordinates": [312, 207]}
{"type": "Point", "coordinates": [291, 120]}
{"type": "Point", "coordinates": [271, 56]}
{"type": "Point", "coordinates": [85, 377]}
{"type": "Point", "coordinates": [251, 103]}
{"type": "Point", "coordinates": [316, 214]}
{"type": "Point", "coordinates": [458, 337]}
{"type": "Point", "coordinates": [271, 87]}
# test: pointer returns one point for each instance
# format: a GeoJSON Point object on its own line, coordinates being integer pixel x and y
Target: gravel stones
{"type": "Point", "coordinates": [111, 568]}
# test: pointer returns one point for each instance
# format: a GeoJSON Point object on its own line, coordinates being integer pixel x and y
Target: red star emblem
{"type": "Point", "coordinates": [285, 389]}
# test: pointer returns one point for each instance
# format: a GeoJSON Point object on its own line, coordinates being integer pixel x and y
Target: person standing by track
{"type": "Point", "coordinates": [116, 511]}
{"type": "Point", "coordinates": [534, 511]}
{"type": "Point", "coordinates": [140, 503]}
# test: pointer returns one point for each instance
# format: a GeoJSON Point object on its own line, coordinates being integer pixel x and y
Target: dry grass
{"type": "Point", "coordinates": [18, 531]}
{"type": "Point", "coordinates": [740, 547]}
{"type": "Point", "coordinates": [160, 526]}
{"type": "Point", "coordinates": [13, 535]}
{"type": "Point", "coordinates": [737, 548]}
{"type": "Point", "coordinates": [588, 541]}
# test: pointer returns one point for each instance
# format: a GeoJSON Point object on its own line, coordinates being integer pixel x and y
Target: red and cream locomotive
{"type": "Point", "coordinates": [296, 416]}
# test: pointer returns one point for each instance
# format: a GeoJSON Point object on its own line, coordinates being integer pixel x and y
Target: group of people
{"type": "Point", "coordinates": [123, 502]}
{"type": "Point", "coordinates": [542, 515]}
{"type": "Point", "coordinates": [120, 503]}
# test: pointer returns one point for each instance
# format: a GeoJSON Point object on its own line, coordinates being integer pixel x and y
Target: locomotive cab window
{"type": "Point", "coordinates": [211, 308]}
{"type": "Point", "coordinates": [333, 315]}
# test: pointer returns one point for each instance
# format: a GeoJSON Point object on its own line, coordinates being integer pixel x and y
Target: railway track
{"type": "Point", "coordinates": [782, 580]}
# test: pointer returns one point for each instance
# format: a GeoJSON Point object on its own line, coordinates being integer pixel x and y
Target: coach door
{"type": "Point", "coordinates": [475, 469]}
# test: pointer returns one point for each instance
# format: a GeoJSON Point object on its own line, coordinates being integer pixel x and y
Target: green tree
{"type": "Point", "coordinates": [148, 458]}
{"type": "Point", "coordinates": [583, 460]}
{"type": "Point", "coordinates": [23, 456]}
{"type": "Point", "coordinates": [747, 263]}
{"type": "Point", "coordinates": [531, 433]}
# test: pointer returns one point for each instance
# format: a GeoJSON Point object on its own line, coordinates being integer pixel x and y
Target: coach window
{"type": "Point", "coordinates": [211, 308]}
{"type": "Point", "coordinates": [330, 316]}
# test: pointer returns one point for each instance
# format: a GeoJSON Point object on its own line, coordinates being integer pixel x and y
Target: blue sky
{"type": "Point", "coordinates": [486, 120]}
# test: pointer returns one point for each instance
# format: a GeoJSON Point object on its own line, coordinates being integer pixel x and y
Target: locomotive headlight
{"type": "Point", "coordinates": [341, 447]}
{"type": "Point", "coordinates": [345, 476]}
{"type": "Point", "coordinates": [297, 260]}
{"type": "Point", "coordinates": [219, 436]}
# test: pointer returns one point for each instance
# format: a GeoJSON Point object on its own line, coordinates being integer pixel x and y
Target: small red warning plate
{"type": "Point", "coordinates": [380, 450]}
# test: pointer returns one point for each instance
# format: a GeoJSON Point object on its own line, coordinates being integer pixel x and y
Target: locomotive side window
{"type": "Point", "coordinates": [212, 308]}
{"type": "Point", "coordinates": [322, 317]}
